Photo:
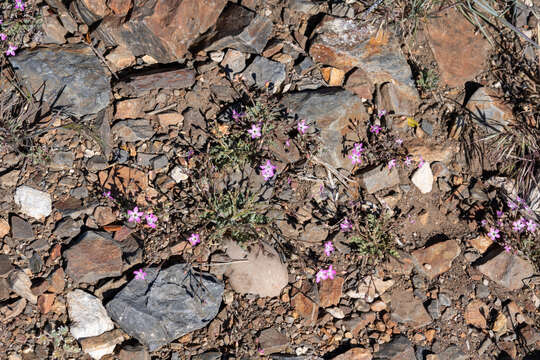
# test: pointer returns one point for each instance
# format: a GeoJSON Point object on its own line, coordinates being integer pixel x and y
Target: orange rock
{"type": "Point", "coordinates": [305, 307]}
{"type": "Point", "coordinates": [476, 314]}
{"type": "Point", "coordinates": [330, 291]}
{"type": "Point", "coordinates": [4, 228]}
{"type": "Point", "coordinates": [481, 243]}
{"type": "Point", "coordinates": [45, 302]}
{"type": "Point", "coordinates": [355, 354]}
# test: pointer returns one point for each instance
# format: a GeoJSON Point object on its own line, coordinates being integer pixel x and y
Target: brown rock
{"type": "Point", "coordinates": [54, 31]}
{"type": "Point", "coordinates": [506, 269]}
{"type": "Point", "coordinates": [378, 306]}
{"type": "Point", "coordinates": [409, 310]}
{"type": "Point", "coordinates": [476, 314]}
{"type": "Point", "coordinates": [489, 110]}
{"type": "Point", "coordinates": [120, 7]}
{"type": "Point", "coordinates": [140, 84]}
{"type": "Point", "coordinates": [92, 10]}
{"type": "Point", "coordinates": [4, 289]}
{"type": "Point", "coordinates": [379, 178]}
{"type": "Point", "coordinates": [129, 109]}
{"type": "Point", "coordinates": [431, 153]}
{"type": "Point", "coordinates": [356, 325]}
{"type": "Point", "coordinates": [355, 354]}
{"type": "Point", "coordinates": [314, 233]}
{"type": "Point", "coordinates": [530, 335]}
{"type": "Point", "coordinates": [93, 257]}
{"type": "Point", "coordinates": [306, 308]}
{"type": "Point", "coordinates": [358, 82]}
{"type": "Point", "coordinates": [103, 344]}
{"type": "Point", "coordinates": [134, 352]}
{"type": "Point", "coordinates": [333, 76]}
{"type": "Point", "coordinates": [401, 265]}
{"type": "Point", "coordinates": [5, 266]}
{"type": "Point", "coordinates": [21, 284]}
{"type": "Point", "coordinates": [397, 99]}
{"type": "Point", "coordinates": [459, 49]}
{"type": "Point", "coordinates": [45, 302]}
{"type": "Point", "coordinates": [11, 311]}
{"type": "Point", "coordinates": [481, 243]}
{"type": "Point", "coordinates": [272, 341]}
{"type": "Point", "coordinates": [104, 215]}
{"type": "Point", "coordinates": [171, 118]}
{"type": "Point", "coordinates": [438, 257]}
{"type": "Point", "coordinates": [330, 291]}
{"type": "Point", "coordinates": [57, 281]}
{"type": "Point", "coordinates": [4, 228]}
{"type": "Point", "coordinates": [21, 229]}
{"type": "Point", "coordinates": [120, 58]}
{"type": "Point", "coordinates": [163, 29]}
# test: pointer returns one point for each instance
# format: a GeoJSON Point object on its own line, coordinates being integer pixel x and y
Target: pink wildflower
{"type": "Point", "coordinates": [359, 148]}
{"type": "Point", "coordinates": [268, 170]}
{"type": "Point", "coordinates": [519, 225]}
{"type": "Point", "coordinates": [346, 225]}
{"type": "Point", "coordinates": [194, 239]}
{"type": "Point", "coordinates": [19, 5]}
{"type": "Point", "coordinates": [356, 157]}
{"type": "Point", "coordinates": [399, 141]}
{"type": "Point", "coordinates": [151, 220]}
{"type": "Point", "coordinates": [421, 163]}
{"type": "Point", "coordinates": [408, 161]}
{"type": "Point", "coordinates": [512, 205]}
{"type": "Point", "coordinates": [500, 213]}
{"type": "Point", "coordinates": [107, 194]}
{"type": "Point", "coordinates": [287, 143]}
{"type": "Point", "coordinates": [328, 248]}
{"type": "Point", "coordinates": [483, 222]}
{"type": "Point", "coordinates": [507, 248]}
{"type": "Point", "coordinates": [531, 226]}
{"type": "Point", "coordinates": [381, 113]}
{"type": "Point", "coordinates": [493, 234]}
{"type": "Point", "coordinates": [11, 50]}
{"type": "Point", "coordinates": [375, 129]}
{"type": "Point", "coordinates": [3, 36]}
{"type": "Point", "coordinates": [321, 275]}
{"type": "Point", "coordinates": [302, 127]}
{"type": "Point", "coordinates": [237, 116]}
{"type": "Point", "coordinates": [255, 131]}
{"type": "Point", "coordinates": [261, 351]}
{"type": "Point", "coordinates": [134, 215]}
{"type": "Point", "coordinates": [330, 272]}
{"type": "Point", "coordinates": [140, 274]}
{"type": "Point", "coordinates": [391, 164]}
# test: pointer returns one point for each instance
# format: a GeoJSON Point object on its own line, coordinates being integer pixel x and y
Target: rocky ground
{"type": "Point", "coordinates": [283, 179]}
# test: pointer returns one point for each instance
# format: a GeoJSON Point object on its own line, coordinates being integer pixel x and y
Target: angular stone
{"type": "Point", "coordinates": [171, 118]}
{"type": "Point", "coordinates": [431, 153]}
{"type": "Point", "coordinates": [240, 29]}
{"type": "Point", "coordinates": [140, 83]}
{"type": "Point", "coordinates": [129, 109]}
{"type": "Point", "coordinates": [87, 314]}
{"type": "Point", "coordinates": [4, 228]}
{"type": "Point", "coordinates": [400, 348]}
{"type": "Point", "coordinates": [263, 71]}
{"type": "Point", "coordinates": [133, 130]}
{"type": "Point", "coordinates": [379, 178]}
{"type": "Point", "coordinates": [56, 281]}
{"type": "Point", "coordinates": [438, 257]}
{"type": "Point", "coordinates": [92, 10]}
{"type": "Point", "coordinates": [120, 58]}
{"type": "Point", "coordinates": [331, 111]}
{"type": "Point", "coordinates": [506, 269]}
{"type": "Point", "coordinates": [4, 289]}
{"type": "Point", "coordinates": [263, 274]}
{"type": "Point", "coordinates": [67, 228]}
{"type": "Point", "coordinates": [21, 284]}
{"type": "Point", "coordinates": [94, 256]}
{"type": "Point", "coordinates": [398, 99]}
{"type": "Point", "coordinates": [272, 341]}
{"type": "Point", "coordinates": [133, 352]}
{"type": "Point", "coordinates": [34, 203]}
{"type": "Point", "coordinates": [5, 266]}
{"type": "Point", "coordinates": [481, 243]}
{"type": "Point", "coordinates": [371, 287]}
{"type": "Point", "coordinates": [330, 291]}
{"type": "Point", "coordinates": [234, 62]}
{"type": "Point", "coordinates": [53, 30]}
{"type": "Point", "coordinates": [74, 78]}
{"type": "Point", "coordinates": [459, 49]}
{"type": "Point", "coordinates": [477, 314]}
{"type": "Point", "coordinates": [355, 354]}
{"type": "Point", "coordinates": [166, 305]}
{"type": "Point", "coordinates": [21, 229]}
{"type": "Point", "coordinates": [45, 302]}
{"type": "Point", "coordinates": [409, 310]}
{"type": "Point", "coordinates": [62, 160]}
{"type": "Point", "coordinates": [163, 29]}
{"type": "Point", "coordinates": [423, 179]}
{"type": "Point", "coordinates": [102, 345]}
{"type": "Point", "coordinates": [305, 307]}
{"type": "Point", "coordinates": [489, 110]}
{"type": "Point", "coordinates": [345, 44]}
{"type": "Point", "coordinates": [120, 7]}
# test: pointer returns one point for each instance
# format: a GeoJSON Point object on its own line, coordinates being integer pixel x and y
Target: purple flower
{"type": "Point", "coordinates": [493, 234]}
{"type": "Point", "coordinates": [194, 239]}
{"type": "Point", "coordinates": [355, 157]}
{"type": "Point", "coordinates": [321, 275]}
{"type": "Point", "coordinates": [399, 141]}
{"type": "Point", "coordinates": [330, 272]}
{"type": "Point", "coordinates": [255, 131]}
{"type": "Point", "coordinates": [140, 274]}
{"type": "Point", "coordinates": [237, 116]}
{"type": "Point", "coordinates": [3, 36]}
{"type": "Point", "coordinates": [287, 143]}
{"type": "Point", "coordinates": [531, 226]}
{"type": "Point", "coordinates": [151, 220]}
{"type": "Point", "coordinates": [391, 164]}
{"type": "Point", "coordinates": [107, 194]}
{"type": "Point", "coordinates": [11, 50]}
{"type": "Point", "coordinates": [359, 148]}
{"type": "Point", "coordinates": [519, 225]}
{"type": "Point", "coordinates": [381, 113]}
{"type": "Point", "coordinates": [19, 5]}
{"type": "Point", "coordinates": [483, 222]}
{"type": "Point", "coordinates": [375, 129]}
{"type": "Point", "coordinates": [328, 248]}
{"type": "Point", "coordinates": [268, 170]}
{"type": "Point", "coordinates": [421, 163]}
{"type": "Point", "coordinates": [408, 161]}
{"type": "Point", "coordinates": [507, 248]}
{"type": "Point", "coordinates": [499, 213]}
{"type": "Point", "coordinates": [302, 127]}
{"type": "Point", "coordinates": [134, 215]}
{"type": "Point", "coordinates": [512, 205]}
{"type": "Point", "coordinates": [346, 225]}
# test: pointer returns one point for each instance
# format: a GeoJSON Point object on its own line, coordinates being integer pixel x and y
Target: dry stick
{"type": "Point", "coordinates": [341, 178]}
{"type": "Point", "coordinates": [161, 110]}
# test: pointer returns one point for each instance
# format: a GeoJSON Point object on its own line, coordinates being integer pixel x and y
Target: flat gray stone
{"type": "Point", "coordinates": [62, 160]}
{"type": "Point", "coordinates": [379, 178]}
{"type": "Point", "coordinates": [166, 305]}
{"type": "Point", "coordinates": [67, 228]}
{"type": "Point", "coordinates": [71, 76]}
{"type": "Point", "coordinates": [262, 70]}
{"type": "Point", "coordinates": [133, 130]}
{"type": "Point", "coordinates": [400, 348]}
{"type": "Point", "coordinates": [21, 229]}
{"type": "Point", "coordinates": [506, 269]}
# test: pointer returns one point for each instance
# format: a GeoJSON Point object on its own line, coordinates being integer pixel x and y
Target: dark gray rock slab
{"type": "Point", "coordinates": [21, 229]}
{"type": "Point", "coordinates": [166, 305]}
{"type": "Point", "coordinates": [400, 348]}
{"type": "Point", "coordinates": [69, 77]}
{"type": "Point", "coordinates": [262, 71]}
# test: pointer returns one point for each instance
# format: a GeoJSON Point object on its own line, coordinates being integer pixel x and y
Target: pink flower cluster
{"type": "Point", "coordinates": [194, 239]}
{"type": "Point", "coordinates": [356, 153]}
{"type": "Point", "coordinates": [135, 216]}
{"type": "Point", "coordinates": [268, 170]}
{"type": "Point", "coordinates": [323, 274]}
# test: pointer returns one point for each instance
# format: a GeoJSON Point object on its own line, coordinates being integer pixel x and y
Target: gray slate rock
{"type": "Point", "coordinates": [453, 353]}
{"type": "Point", "coordinates": [133, 130]}
{"type": "Point", "coordinates": [379, 178]}
{"type": "Point", "coordinates": [240, 29]}
{"type": "Point", "coordinates": [62, 160]}
{"type": "Point", "coordinates": [400, 348]}
{"type": "Point", "coordinates": [262, 70]}
{"type": "Point", "coordinates": [506, 269]}
{"type": "Point", "coordinates": [330, 110]}
{"type": "Point", "coordinates": [166, 305]}
{"type": "Point", "coordinates": [21, 229]}
{"type": "Point", "coordinates": [73, 76]}
{"type": "Point", "coordinates": [67, 228]}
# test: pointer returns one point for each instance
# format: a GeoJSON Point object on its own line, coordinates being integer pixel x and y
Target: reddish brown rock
{"type": "Point", "coordinates": [45, 302]}
{"type": "Point", "coordinates": [437, 259]}
{"type": "Point", "coordinates": [272, 341]}
{"type": "Point", "coordinates": [409, 310]}
{"type": "Point", "coordinates": [459, 49]}
{"type": "Point", "coordinates": [101, 345]}
{"type": "Point", "coordinates": [506, 269]}
{"type": "Point", "coordinates": [120, 58]}
{"type": "Point", "coordinates": [481, 243]}
{"type": "Point", "coordinates": [120, 7]}
{"type": "Point", "coordinates": [358, 82]}
{"type": "Point", "coordinates": [489, 110]}
{"type": "Point", "coordinates": [306, 308]}
{"type": "Point", "coordinates": [104, 215]}
{"type": "Point", "coordinates": [330, 291]}
{"type": "Point", "coordinates": [163, 29]}
{"type": "Point", "coordinates": [93, 257]}
{"type": "Point", "coordinates": [4, 228]}
{"type": "Point", "coordinates": [476, 314]}
{"type": "Point", "coordinates": [355, 354]}
{"type": "Point", "coordinates": [57, 281]}
{"type": "Point", "coordinates": [139, 84]}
